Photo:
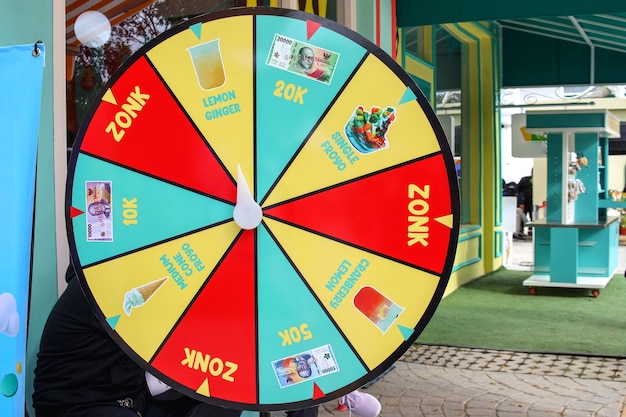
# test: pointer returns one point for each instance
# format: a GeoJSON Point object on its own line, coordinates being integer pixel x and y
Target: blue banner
{"type": "Point", "coordinates": [21, 78]}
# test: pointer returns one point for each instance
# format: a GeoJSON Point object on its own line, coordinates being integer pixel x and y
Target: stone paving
{"type": "Point", "coordinates": [572, 366]}
{"type": "Point", "coordinates": [440, 381]}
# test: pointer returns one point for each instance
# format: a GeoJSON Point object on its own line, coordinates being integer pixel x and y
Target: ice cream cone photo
{"type": "Point", "coordinates": [150, 288]}
{"type": "Point", "coordinates": [140, 295]}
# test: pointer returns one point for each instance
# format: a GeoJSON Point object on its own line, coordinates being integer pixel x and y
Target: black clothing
{"type": "Point", "coordinates": [306, 412]}
{"type": "Point", "coordinates": [78, 362]}
{"type": "Point", "coordinates": [525, 195]}
{"type": "Point", "coordinates": [82, 372]}
{"type": "Point", "coordinates": [509, 189]}
{"type": "Point", "coordinates": [184, 407]}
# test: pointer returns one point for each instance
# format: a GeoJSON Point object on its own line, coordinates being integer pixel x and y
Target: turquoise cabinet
{"type": "Point", "coordinates": [576, 245]}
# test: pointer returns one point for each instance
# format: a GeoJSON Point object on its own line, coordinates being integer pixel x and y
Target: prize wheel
{"type": "Point", "coordinates": [262, 209]}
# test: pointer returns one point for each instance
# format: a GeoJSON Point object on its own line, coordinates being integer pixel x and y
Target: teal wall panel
{"type": "Point", "coordinates": [554, 212]}
{"type": "Point", "coordinates": [386, 31]}
{"type": "Point", "coordinates": [598, 251]}
{"type": "Point", "coordinates": [563, 121]}
{"type": "Point", "coordinates": [563, 246]}
{"type": "Point", "coordinates": [366, 19]}
{"type": "Point", "coordinates": [542, 251]}
{"type": "Point", "coordinates": [424, 85]}
{"type": "Point", "coordinates": [586, 206]}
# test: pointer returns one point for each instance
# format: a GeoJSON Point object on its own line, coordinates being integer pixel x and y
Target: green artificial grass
{"type": "Point", "coordinates": [497, 312]}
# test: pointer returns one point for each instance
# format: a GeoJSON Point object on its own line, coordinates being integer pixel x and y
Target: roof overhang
{"type": "Point", "coordinates": [422, 13]}
{"type": "Point", "coordinates": [557, 42]}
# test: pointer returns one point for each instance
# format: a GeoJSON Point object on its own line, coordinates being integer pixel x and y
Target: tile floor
{"type": "Point", "coordinates": [574, 366]}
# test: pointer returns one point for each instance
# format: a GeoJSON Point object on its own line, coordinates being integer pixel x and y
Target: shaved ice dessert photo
{"type": "Point", "coordinates": [367, 131]}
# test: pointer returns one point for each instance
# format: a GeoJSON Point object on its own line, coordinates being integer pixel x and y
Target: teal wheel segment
{"type": "Point", "coordinates": [118, 210]}
{"type": "Point", "coordinates": [282, 90]}
{"type": "Point", "coordinates": [296, 332]}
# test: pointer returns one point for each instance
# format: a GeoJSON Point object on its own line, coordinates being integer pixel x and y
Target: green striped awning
{"type": "Point", "coordinates": [606, 31]}
{"type": "Point", "coordinates": [555, 42]}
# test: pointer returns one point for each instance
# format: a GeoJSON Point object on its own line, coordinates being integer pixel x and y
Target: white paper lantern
{"type": "Point", "coordinates": [92, 29]}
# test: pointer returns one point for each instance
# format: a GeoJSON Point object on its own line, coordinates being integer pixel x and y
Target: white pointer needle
{"type": "Point", "coordinates": [247, 213]}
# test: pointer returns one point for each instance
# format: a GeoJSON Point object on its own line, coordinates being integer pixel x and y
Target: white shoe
{"type": "Point", "coordinates": [365, 405]}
